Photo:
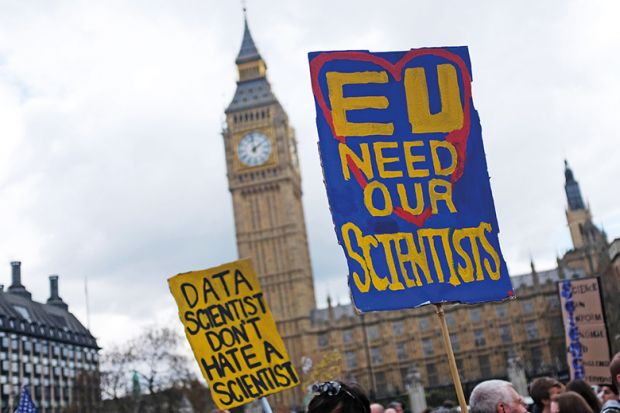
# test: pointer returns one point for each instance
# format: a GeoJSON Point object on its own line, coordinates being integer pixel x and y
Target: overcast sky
{"type": "Point", "coordinates": [112, 163]}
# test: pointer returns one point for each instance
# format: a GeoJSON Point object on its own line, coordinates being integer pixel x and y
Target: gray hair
{"type": "Point", "coordinates": [488, 394]}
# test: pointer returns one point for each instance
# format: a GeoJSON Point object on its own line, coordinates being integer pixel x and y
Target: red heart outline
{"type": "Point", "coordinates": [457, 137]}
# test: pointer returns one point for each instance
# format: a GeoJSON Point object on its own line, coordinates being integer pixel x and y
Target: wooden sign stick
{"type": "Point", "coordinates": [451, 361]}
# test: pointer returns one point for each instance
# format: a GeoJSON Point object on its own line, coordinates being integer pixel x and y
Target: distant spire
{"type": "Point", "coordinates": [535, 278]}
{"type": "Point", "coordinates": [561, 272]}
{"type": "Point", "coordinates": [571, 187]}
{"type": "Point", "coordinates": [330, 308]}
{"type": "Point", "coordinates": [248, 51]}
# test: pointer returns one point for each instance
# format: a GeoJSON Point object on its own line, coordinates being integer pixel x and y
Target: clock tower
{"type": "Point", "coordinates": [265, 184]}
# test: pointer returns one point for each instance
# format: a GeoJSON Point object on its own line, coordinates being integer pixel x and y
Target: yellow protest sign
{"type": "Point", "coordinates": [232, 333]}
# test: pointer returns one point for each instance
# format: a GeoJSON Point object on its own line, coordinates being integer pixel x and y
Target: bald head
{"type": "Point", "coordinates": [376, 408]}
{"type": "Point", "coordinates": [494, 396]}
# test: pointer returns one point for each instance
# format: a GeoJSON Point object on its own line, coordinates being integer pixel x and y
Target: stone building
{"type": "Point", "coordinates": [379, 350]}
{"type": "Point", "coordinates": [43, 346]}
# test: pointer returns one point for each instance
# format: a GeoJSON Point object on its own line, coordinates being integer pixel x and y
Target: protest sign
{"type": "Point", "coordinates": [587, 343]}
{"type": "Point", "coordinates": [406, 177]}
{"type": "Point", "coordinates": [232, 333]}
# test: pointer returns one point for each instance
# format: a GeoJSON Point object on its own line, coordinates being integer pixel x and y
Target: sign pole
{"type": "Point", "coordinates": [451, 361]}
{"type": "Point", "coordinates": [265, 404]}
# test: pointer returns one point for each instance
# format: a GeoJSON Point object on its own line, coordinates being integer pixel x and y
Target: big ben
{"type": "Point", "coordinates": [265, 184]}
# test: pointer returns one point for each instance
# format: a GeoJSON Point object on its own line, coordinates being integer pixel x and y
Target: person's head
{"type": "Point", "coordinates": [607, 392]}
{"type": "Point", "coordinates": [398, 406]}
{"type": "Point", "coordinates": [543, 389]}
{"type": "Point", "coordinates": [585, 391]}
{"type": "Point", "coordinates": [390, 410]}
{"type": "Point", "coordinates": [338, 397]}
{"type": "Point", "coordinates": [376, 408]}
{"type": "Point", "coordinates": [569, 402]}
{"type": "Point", "coordinates": [496, 396]}
{"type": "Point", "coordinates": [614, 369]}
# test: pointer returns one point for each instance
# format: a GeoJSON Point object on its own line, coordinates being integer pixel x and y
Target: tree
{"type": "Point", "coordinates": [149, 373]}
{"type": "Point", "coordinates": [158, 360]}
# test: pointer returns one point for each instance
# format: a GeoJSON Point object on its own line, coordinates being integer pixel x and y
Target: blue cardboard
{"type": "Point", "coordinates": [406, 177]}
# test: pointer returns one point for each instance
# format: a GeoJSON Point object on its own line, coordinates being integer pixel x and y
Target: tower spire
{"type": "Point", "coordinates": [253, 89]}
{"type": "Point", "coordinates": [571, 187]}
{"type": "Point", "coordinates": [248, 51]}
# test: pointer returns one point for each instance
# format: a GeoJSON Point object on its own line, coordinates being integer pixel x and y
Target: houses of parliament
{"type": "Point", "coordinates": [380, 350]}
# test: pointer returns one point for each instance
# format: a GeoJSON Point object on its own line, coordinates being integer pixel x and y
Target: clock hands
{"type": "Point", "coordinates": [254, 149]}
{"type": "Point", "coordinates": [261, 143]}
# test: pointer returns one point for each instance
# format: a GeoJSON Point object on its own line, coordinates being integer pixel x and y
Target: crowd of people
{"type": "Point", "coordinates": [549, 395]}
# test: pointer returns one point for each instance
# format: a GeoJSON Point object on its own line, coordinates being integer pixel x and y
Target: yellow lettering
{"type": "Point", "coordinates": [379, 283]}
{"type": "Point", "coordinates": [422, 121]}
{"type": "Point", "coordinates": [382, 160]}
{"type": "Point", "coordinates": [472, 234]}
{"type": "Point", "coordinates": [465, 272]}
{"type": "Point", "coordinates": [418, 259]}
{"type": "Point", "coordinates": [430, 234]}
{"type": "Point", "coordinates": [340, 104]}
{"type": "Point", "coordinates": [364, 286]}
{"type": "Point", "coordinates": [387, 200]}
{"type": "Point", "coordinates": [385, 239]}
{"type": "Point", "coordinates": [440, 196]}
{"type": "Point", "coordinates": [439, 170]}
{"type": "Point", "coordinates": [491, 251]}
{"type": "Point", "coordinates": [404, 200]}
{"type": "Point", "coordinates": [411, 159]}
{"type": "Point", "coordinates": [364, 164]}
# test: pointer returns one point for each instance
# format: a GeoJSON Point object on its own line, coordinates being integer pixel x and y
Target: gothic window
{"type": "Point", "coordinates": [380, 382]}
{"type": "Point", "coordinates": [501, 310]}
{"type": "Point", "coordinates": [424, 324]}
{"type": "Point", "coordinates": [505, 333]}
{"type": "Point", "coordinates": [553, 301]}
{"type": "Point", "coordinates": [347, 336]}
{"type": "Point", "coordinates": [375, 355]}
{"type": "Point", "coordinates": [474, 315]}
{"type": "Point", "coordinates": [323, 340]}
{"type": "Point", "coordinates": [401, 351]}
{"type": "Point", "coordinates": [427, 346]}
{"type": "Point", "coordinates": [479, 339]}
{"type": "Point", "coordinates": [373, 332]}
{"type": "Point", "coordinates": [350, 359]}
{"type": "Point", "coordinates": [527, 306]}
{"type": "Point", "coordinates": [397, 328]}
{"type": "Point", "coordinates": [454, 339]}
{"type": "Point", "coordinates": [450, 320]}
{"type": "Point", "coordinates": [485, 366]}
{"type": "Point", "coordinates": [531, 330]}
{"type": "Point", "coordinates": [431, 372]}
{"type": "Point", "coordinates": [403, 374]}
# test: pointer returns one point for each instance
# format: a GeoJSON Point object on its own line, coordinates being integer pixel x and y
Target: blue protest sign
{"type": "Point", "coordinates": [406, 177]}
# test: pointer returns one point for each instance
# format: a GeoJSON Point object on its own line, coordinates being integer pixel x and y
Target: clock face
{"type": "Point", "coordinates": [254, 149]}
